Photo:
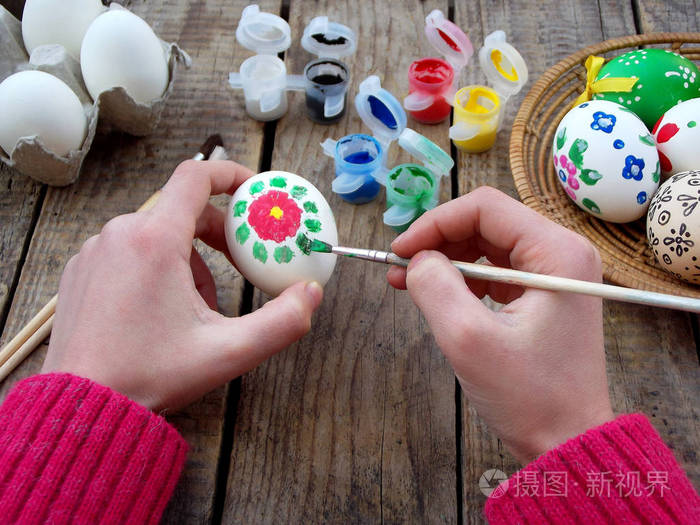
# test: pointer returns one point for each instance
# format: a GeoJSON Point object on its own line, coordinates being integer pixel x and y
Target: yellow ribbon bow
{"type": "Point", "coordinates": [604, 85]}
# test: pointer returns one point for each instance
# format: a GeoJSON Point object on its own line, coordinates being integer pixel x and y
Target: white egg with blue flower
{"type": "Point", "coordinates": [606, 161]}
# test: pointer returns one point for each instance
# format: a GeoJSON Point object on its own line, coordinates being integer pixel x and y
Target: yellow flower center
{"type": "Point", "coordinates": [276, 212]}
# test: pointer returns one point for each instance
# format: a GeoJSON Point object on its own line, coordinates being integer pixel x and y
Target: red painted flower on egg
{"type": "Point", "coordinates": [274, 216]}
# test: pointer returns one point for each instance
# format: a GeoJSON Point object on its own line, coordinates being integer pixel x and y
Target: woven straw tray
{"type": "Point", "coordinates": [626, 258]}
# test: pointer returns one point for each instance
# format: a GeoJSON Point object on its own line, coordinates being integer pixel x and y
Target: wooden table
{"type": "Point", "coordinates": [362, 421]}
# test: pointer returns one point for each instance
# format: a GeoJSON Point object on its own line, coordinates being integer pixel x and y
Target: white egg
{"type": "Point", "coordinates": [606, 160]}
{"type": "Point", "coordinates": [677, 136]}
{"type": "Point", "coordinates": [270, 222]}
{"type": "Point", "coordinates": [121, 50]}
{"type": "Point", "coordinates": [34, 103]}
{"type": "Point", "coordinates": [673, 226]}
{"type": "Point", "coordinates": [58, 22]}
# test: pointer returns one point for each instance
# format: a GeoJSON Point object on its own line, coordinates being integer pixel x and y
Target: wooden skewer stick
{"type": "Point", "coordinates": [28, 346]}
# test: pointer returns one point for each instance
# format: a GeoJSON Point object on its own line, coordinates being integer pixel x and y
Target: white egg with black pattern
{"type": "Point", "coordinates": [606, 161]}
{"type": "Point", "coordinates": [271, 222]}
{"type": "Point", "coordinates": [673, 226]}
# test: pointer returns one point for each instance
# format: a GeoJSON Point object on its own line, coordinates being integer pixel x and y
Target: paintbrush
{"type": "Point", "coordinates": [526, 279]}
{"type": "Point", "coordinates": [34, 332]}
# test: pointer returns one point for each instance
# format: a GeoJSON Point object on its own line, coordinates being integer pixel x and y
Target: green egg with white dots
{"type": "Point", "coordinates": [664, 79]}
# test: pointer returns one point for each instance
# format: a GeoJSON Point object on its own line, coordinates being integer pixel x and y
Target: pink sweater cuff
{"type": "Point", "coordinates": [73, 451]}
{"type": "Point", "coordinates": [619, 472]}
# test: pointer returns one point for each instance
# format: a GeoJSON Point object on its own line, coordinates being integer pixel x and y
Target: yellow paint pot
{"type": "Point", "coordinates": [477, 115]}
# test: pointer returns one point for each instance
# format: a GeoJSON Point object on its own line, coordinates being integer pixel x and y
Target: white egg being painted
{"type": "Point", "coordinates": [34, 103]}
{"type": "Point", "coordinates": [606, 160]}
{"type": "Point", "coordinates": [677, 136]}
{"type": "Point", "coordinates": [121, 50]}
{"type": "Point", "coordinates": [673, 226]}
{"type": "Point", "coordinates": [58, 22]}
{"type": "Point", "coordinates": [270, 222]}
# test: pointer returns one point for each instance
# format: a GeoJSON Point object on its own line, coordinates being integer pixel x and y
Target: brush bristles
{"type": "Point", "coordinates": [210, 145]}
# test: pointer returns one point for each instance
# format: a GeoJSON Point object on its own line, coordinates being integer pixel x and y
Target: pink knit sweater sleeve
{"type": "Point", "coordinates": [620, 472]}
{"type": "Point", "coordinates": [73, 451]}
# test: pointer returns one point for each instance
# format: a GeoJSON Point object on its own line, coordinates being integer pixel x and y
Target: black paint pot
{"type": "Point", "coordinates": [326, 86]}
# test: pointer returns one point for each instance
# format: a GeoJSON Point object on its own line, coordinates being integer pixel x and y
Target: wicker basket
{"type": "Point", "coordinates": [623, 247]}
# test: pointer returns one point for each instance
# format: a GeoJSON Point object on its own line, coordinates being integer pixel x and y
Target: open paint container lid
{"type": "Point", "coordinates": [380, 111]}
{"type": "Point", "coordinates": [430, 154]}
{"type": "Point", "coordinates": [503, 65]}
{"type": "Point", "coordinates": [449, 40]}
{"type": "Point", "coordinates": [263, 33]}
{"type": "Point", "coordinates": [328, 39]}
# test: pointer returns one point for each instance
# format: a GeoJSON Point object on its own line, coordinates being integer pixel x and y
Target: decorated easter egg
{"type": "Point", "coordinates": [673, 226]}
{"type": "Point", "coordinates": [270, 225]}
{"type": "Point", "coordinates": [664, 79]}
{"type": "Point", "coordinates": [677, 136]}
{"type": "Point", "coordinates": [606, 160]}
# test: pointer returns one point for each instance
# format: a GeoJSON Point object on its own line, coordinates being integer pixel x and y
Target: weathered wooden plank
{"type": "Point", "coordinates": [562, 28]}
{"type": "Point", "coordinates": [121, 172]}
{"type": "Point", "coordinates": [356, 423]}
{"type": "Point", "coordinates": [673, 16]}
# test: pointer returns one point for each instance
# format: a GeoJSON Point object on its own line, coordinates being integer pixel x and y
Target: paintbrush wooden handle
{"type": "Point", "coordinates": [563, 284]}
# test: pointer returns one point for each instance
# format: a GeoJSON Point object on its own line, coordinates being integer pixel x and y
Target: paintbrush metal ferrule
{"type": "Point", "coordinates": [370, 255]}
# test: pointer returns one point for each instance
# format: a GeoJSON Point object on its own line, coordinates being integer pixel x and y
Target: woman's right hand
{"type": "Point", "coordinates": [535, 370]}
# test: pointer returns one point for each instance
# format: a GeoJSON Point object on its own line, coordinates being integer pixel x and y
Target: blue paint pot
{"type": "Point", "coordinates": [360, 160]}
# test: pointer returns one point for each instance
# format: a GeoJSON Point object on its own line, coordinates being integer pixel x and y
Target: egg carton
{"type": "Point", "coordinates": [114, 109]}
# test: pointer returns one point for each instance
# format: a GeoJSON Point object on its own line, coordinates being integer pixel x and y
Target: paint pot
{"type": "Point", "coordinates": [476, 118]}
{"type": "Point", "coordinates": [360, 160]}
{"type": "Point", "coordinates": [413, 189]}
{"type": "Point", "coordinates": [479, 109]}
{"type": "Point", "coordinates": [327, 78]}
{"type": "Point", "coordinates": [431, 81]}
{"type": "Point", "coordinates": [326, 86]}
{"type": "Point", "coordinates": [263, 77]}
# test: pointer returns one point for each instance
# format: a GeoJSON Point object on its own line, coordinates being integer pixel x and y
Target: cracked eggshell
{"type": "Point", "coordinates": [673, 226]}
{"type": "Point", "coordinates": [606, 161]}
{"type": "Point", "coordinates": [58, 22]}
{"type": "Point", "coordinates": [121, 50]}
{"type": "Point", "coordinates": [268, 222]}
{"type": "Point", "coordinates": [677, 136]}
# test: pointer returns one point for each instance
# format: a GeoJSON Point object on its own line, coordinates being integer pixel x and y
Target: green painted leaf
{"type": "Point", "coordinates": [278, 182]}
{"type": "Point", "coordinates": [239, 208]}
{"type": "Point", "coordinates": [283, 254]}
{"type": "Point", "coordinates": [588, 203]}
{"type": "Point", "coordinates": [242, 233]}
{"type": "Point", "coordinates": [576, 152]}
{"type": "Point", "coordinates": [259, 251]}
{"type": "Point", "coordinates": [304, 244]}
{"type": "Point", "coordinates": [561, 138]}
{"type": "Point", "coordinates": [257, 187]}
{"type": "Point", "coordinates": [657, 172]}
{"type": "Point", "coordinates": [313, 225]}
{"type": "Point", "coordinates": [310, 207]}
{"type": "Point", "coordinates": [298, 192]}
{"type": "Point", "coordinates": [590, 177]}
{"type": "Point", "coordinates": [647, 139]}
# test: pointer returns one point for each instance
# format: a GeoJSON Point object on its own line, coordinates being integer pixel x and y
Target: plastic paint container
{"type": "Point", "coordinates": [326, 79]}
{"type": "Point", "coordinates": [479, 109]}
{"type": "Point", "coordinates": [263, 77]}
{"type": "Point", "coordinates": [326, 86]}
{"type": "Point", "coordinates": [431, 81]}
{"type": "Point", "coordinates": [412, 189]}
{"type": "Point", "coordinates": [360, 160]}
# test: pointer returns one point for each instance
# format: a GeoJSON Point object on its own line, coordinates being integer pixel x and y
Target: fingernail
{"type": "Point", "coordinates": [398, 239]}
{"type": "Point", "coordinates": [315, 292]}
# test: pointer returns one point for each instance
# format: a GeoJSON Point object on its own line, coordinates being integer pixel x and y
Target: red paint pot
{"type": "Point", "coordinates": [431, 78]}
